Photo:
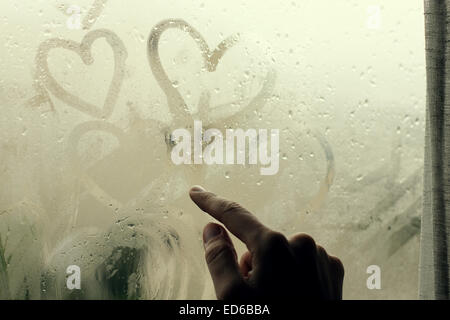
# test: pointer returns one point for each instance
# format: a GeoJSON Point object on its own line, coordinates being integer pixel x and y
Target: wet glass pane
{"type": "Point", "coordinates": [92, 92]}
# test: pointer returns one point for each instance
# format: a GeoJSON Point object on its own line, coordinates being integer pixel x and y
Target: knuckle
{"type": "Point", "coordinates": [321, 251]}
{"type": "Point", "coordinates": [218, 250]}
{"type": "Point", "coordinates": [304, 243]}
{"type": "Point", "coordinates": [275, 240]}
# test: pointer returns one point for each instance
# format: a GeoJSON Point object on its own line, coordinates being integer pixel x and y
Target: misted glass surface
{"type": "Point", "coordinates": [92, 90]}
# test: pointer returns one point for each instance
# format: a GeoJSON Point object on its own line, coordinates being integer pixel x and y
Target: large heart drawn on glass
{"type": "Point", "coordinates": [211, 58]}
{"type": "Point", "coordinates": [83, 49]}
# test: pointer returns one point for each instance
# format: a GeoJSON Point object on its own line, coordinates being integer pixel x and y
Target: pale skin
{"type": "Point", "coordinates": [273, 266]}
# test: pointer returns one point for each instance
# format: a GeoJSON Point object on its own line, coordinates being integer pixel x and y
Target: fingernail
{"type": "Point", "coordinates": [197, 189]}
{"type": "Point", "coordinates": [211, 231]}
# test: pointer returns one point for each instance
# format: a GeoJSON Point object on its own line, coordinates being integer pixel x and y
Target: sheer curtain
{"type": "Point", "coordinates": [434, 261]}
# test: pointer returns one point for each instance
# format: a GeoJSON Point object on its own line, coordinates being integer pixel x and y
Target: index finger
{"type": "Point", "coordinates": [237, 219]}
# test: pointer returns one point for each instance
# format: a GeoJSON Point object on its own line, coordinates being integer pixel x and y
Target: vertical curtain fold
{"type": "Point", "coordinates": [435, 233]}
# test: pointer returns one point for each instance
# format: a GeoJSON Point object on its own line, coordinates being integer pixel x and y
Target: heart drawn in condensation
{"type": "Point", "coordinates": [175, 101]}
{"type": "Point", "coordinates": [83, 49]}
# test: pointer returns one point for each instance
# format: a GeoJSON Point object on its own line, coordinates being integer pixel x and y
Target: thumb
{"type": "Point", "coordinates": [222, 263]}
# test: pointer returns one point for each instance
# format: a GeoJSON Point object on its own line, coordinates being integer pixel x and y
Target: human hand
{"type": "Point", "coordinates": [273, 267]}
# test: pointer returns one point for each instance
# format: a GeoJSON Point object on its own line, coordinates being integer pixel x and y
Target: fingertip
{"type": "Point", "coordinates": [196, 188]}
{"type": "Point", "coordinates": [195, 192]}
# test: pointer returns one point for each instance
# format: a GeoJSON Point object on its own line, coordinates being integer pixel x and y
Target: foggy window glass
{"type": "Point", "coordinates": [93, 91]}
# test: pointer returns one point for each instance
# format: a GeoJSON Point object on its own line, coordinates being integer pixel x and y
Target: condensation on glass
{"type": "Point", "coordinates": [91, 90]}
